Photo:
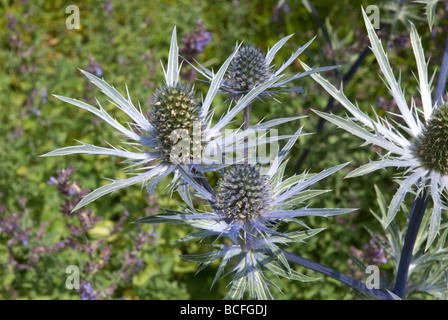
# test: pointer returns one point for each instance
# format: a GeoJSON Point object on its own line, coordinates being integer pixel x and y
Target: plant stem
{"type": "Point", "coordinates": [443, 74]}
{"type": "Point", "coordinates": [336, 275]}
{"type": "Point", "coordinates": [415, 220]}
{"type": "Point", "coordinates": [246, 119]}
{"type": "Point", "coordinates": [246, 125]}
{"type": "Point", "coordinates": [203, 180]}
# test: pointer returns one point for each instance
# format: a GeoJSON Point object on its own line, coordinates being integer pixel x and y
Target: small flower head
{"type": "Point", "coordinates": [247, 70]}
{"type": "Point", "coordinates": [174, 108]}
{"type": "Point", "coordinates": [431, 147]}
{"type": "Point", "coordinates": [251, 67]}
{"type": "Point", "coordinates": [243, 194]}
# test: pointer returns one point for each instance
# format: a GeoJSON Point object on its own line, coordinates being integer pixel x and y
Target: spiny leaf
{"type": "Point", "coordinates": [430, 8]}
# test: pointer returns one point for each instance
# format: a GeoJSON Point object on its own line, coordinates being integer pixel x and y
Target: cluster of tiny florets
{"type": "Point", "coordinates": [174, 108]}
{"type": "Point", "coordinates": [432, 145]}
{"type": "Point", "coordinates": [247, 69]}
{"type": "Point", "coordinates": [243, 193]}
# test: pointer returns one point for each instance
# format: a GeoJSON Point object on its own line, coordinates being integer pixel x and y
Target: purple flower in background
{"type": "Point", "coordinates": [28, 248]}
{"type": "Point", "coordinates": [12, 23]}
{"type": "Point", "coordinates": [108, 6]}
{"type": "Point", "coordinates": [14, 37]}
{"type": "Point", "coordinates": [279, 9]}
{"type": "Point", "coordinates": [195, 42]}
{"type": "Point", "coordinates": [66, 187]}
{"type": "Point", "coordinates": [374, 253]}
{"type": "Point", "coordinates": [44, 95]}
{"type": "Point", "coordinates": [87, 292]}
{"type": "Point", "coordinates": [37, 111]}
{"type": "Point", "coordinates": [98, 71]}
{"type": "Point", "coordinates": [385, 104]}
{"type": "Point", "coordinates": [94, 67]}
{"type": "Point", "coordinates": [400, 41]}
{"type": "Point", "coordinates": [52, 180]}
{"type": "Point", "coordinates": [16, 132]}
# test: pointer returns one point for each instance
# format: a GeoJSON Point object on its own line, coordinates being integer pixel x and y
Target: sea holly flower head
{"type": "Point", "coordinates": [431, 145]}
{"type": "Point", "coordinates": [251, 67]}
{"type": "Point", "coordinates": [247, 69]}
{"type": "Point", "coordinates": [418, 143]}
{"type": "Point", "coordinates": [174, 108]}
{"type": "Point", "coordinates": [243, 194]}
{"type": "Point", "coordinates": [175, 113]}
{"type": "Point", "coordinates": [249, 205]}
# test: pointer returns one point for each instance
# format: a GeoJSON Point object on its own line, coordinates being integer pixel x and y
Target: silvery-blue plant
{"type": "Point", "coordinates": [176, 114]}
{"type": "Point", "coordinates": [414, 143]}
{"type": "Point", "coordinates": [253, 202]}
{"type": "Point", "coordinates": [249, 205]}
{"type": "Point", "coordinates": [417, 144]}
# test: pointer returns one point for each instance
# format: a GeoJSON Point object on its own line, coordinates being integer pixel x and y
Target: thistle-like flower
{"type": "Point", "coordinates": [251, 67]}
{"type": "Point", "coordinates": [247, 70]}
{"type": "Point", "coordinates": [250, 204]}
{"type": "Point", "coordinates": [419, 145]}
{"type": "Point", "coordinates": [176, 115]}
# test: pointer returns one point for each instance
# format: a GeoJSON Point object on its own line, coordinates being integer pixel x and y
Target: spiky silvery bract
{"type": "Point", "coordinates": [421, 280]}
{"type": "Point", "coordinates": [247, 70]}
{"type": "Point", "coordinates": [416, 142]}
{"type": "Point", "coordinates": [174, 111]}
{"type": "Point", "coordinates": [431, 147]}
{"type": "Point", "coordinates": [243, 194]}
{"type": "Point", "coordinates": [250, 203]}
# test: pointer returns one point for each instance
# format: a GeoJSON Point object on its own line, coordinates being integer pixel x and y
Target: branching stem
{"type": "Point", "coordinates": [379, 294]}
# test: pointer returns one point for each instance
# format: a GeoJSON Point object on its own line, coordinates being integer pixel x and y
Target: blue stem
{"type": "Point", "coordinates": [379, 294]}
{"type": "Point", "coordinates": [415, 220]}
{"type": "Point", "coordinates": [441, 82]}
{"type": "Point", "coordinates": [246, 125]}
{"type": "Point", "coordinates": [421, 202]}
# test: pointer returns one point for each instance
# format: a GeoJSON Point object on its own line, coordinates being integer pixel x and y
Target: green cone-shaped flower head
{"type": "Point", "coordinates": [432, 145]}
{"type": "Point", "coordinates": [175, 110]}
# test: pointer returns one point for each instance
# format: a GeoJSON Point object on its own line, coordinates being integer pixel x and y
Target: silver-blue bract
{"type": "Point", "coordinates": [144, 139]}
{"type": "Point", "coordinates": [250, 204]}
{"type": "Point", "coordinates": [399, 139]}
{"type": "Point", "coordinates": [251, 68]}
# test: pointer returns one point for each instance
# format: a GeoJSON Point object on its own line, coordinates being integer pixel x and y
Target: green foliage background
{"type": "Point", "coordinates": [128, 43]}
